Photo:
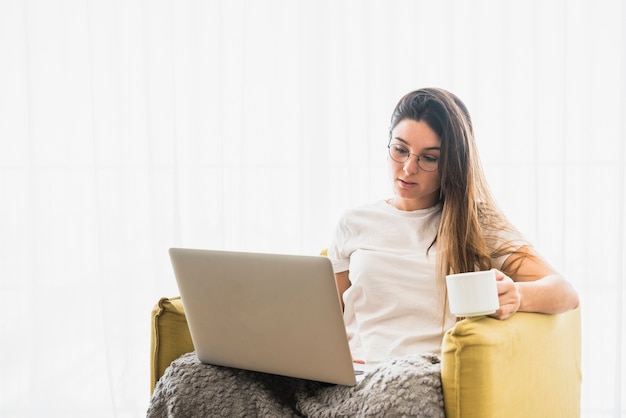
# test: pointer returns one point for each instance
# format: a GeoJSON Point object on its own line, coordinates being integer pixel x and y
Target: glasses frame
{"type": "Point", "coordinates": [408, 157]}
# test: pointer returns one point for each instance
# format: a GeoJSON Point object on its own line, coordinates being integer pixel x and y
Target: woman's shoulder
{"type": "Point", "coordinates": [362, 216]}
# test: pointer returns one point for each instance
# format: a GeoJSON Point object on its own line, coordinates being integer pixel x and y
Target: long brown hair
{"type": "Point", "coordinates": [466, 238]}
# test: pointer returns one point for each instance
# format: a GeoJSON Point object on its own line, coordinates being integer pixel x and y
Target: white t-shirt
{"type": "Point", "coordinates": [394, 306]}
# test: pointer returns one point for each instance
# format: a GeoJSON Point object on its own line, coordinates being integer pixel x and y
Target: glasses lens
{"type": "Point", "coordinates": [428, 162]}
{"type": "Point", "coordinates": [398, 153]}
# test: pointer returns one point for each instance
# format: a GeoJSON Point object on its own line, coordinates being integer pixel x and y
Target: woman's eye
{"type": "Point", "coordinates": [429, 158]}
{"type": "Point", "coordinates": [401, 150]}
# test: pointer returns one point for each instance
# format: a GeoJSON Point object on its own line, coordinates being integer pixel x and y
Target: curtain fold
{"type": "Point", "coordinates": [128, 127]}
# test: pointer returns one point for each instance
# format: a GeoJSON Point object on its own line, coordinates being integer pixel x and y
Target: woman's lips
{"type": "Point", "coordinates": [407, 184]}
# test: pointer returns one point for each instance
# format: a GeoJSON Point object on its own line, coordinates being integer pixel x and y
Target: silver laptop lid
{"type": "Point", "coordinates": [272, 313]}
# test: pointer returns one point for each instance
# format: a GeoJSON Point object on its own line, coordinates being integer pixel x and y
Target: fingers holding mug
{"type": "Point", "coordinates": [508, 296]}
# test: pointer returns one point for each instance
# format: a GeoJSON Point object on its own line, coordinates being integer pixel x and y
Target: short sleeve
{"type": "Point", "coordinates": [338, 253]}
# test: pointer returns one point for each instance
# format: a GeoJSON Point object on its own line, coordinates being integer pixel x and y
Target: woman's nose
{"type": "Point", "coordinates": [411, 165]}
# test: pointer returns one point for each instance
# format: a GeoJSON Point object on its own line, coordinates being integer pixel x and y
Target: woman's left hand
{"type": "Point", "coordinates": [508, 295]}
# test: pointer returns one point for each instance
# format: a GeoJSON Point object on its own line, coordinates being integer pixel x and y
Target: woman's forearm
{"type": "Point", "coordinates": [551, 294]}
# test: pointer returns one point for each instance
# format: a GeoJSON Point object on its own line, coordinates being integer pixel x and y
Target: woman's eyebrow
{"type": "Point", "coordinates": [400, 139]}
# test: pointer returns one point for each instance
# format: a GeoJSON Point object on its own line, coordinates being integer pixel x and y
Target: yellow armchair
{"type": "Point", "coordinates": [526, 366]}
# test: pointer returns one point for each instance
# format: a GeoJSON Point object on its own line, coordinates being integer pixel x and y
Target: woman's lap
{"type": "Point", "coordinates": [401, 387]}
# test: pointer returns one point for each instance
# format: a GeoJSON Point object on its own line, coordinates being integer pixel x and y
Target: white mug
{"type": "Point", "coordinates": [472, 294]}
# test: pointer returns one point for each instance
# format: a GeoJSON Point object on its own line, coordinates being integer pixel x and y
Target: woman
{"type": "Point", "coordinates": [390, 258]}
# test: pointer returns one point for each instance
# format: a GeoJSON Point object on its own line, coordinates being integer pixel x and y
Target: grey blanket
{"type": "Point", "coordinates": [406, 387]}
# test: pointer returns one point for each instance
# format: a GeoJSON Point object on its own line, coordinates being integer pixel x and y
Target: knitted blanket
{"type": "Point", "coordinates": [405, 387]}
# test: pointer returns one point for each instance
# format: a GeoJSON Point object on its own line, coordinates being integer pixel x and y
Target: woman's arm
{"type": "Point", "coordinates": [535, 287]}
{"type": "Point", "coordinates": [343, 283]}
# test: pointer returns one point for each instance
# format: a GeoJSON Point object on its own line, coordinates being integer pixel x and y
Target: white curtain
{"type": "Point", "coordinates": [130, 126]}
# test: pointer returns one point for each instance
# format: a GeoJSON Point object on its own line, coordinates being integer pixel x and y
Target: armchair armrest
{"type": "Point", "coordinates": [526, 366]}
{"type": "Point", "coordinates": [170, 337]}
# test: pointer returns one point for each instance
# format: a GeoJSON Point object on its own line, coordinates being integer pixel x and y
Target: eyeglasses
{"type": "Point", "coordinates": [400, 154]}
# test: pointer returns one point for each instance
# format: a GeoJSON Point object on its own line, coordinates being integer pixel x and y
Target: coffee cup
{"type": "Point", "coordinates": [472, 294]}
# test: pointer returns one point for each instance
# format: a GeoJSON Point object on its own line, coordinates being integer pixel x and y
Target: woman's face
{"type": "Point", "coordinates": [415, 188]}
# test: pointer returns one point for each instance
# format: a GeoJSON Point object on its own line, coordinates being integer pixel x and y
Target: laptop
{"type": "Point", "coordinates": [271, 313]}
